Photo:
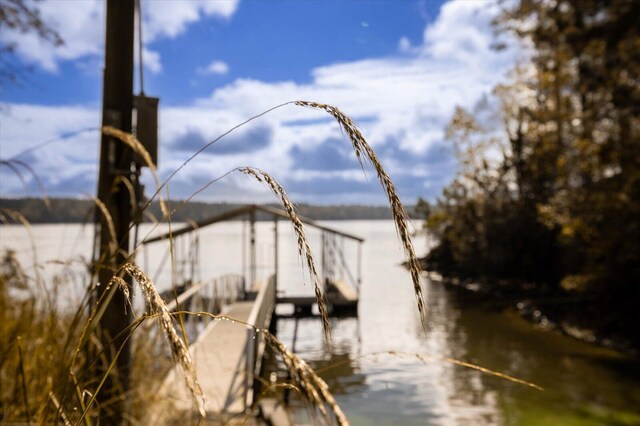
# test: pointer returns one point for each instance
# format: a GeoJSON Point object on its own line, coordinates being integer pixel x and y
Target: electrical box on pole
{"type": "Point", "coordinates": [146, 126]}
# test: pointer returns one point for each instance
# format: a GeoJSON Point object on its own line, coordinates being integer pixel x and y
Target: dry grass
{"type": "Point", "coordinates": [13, 164]}
{"type": "Point", "coordinates": [304, 379]}
{"type": "Point", "coordinates": [48, 355]}
{"type": "Point", "coordinates": [113, 239]}
{"type": "Point", "coordinates": [364, 152]}
{"type": "Point", "coordinates": [35, 344]}
{"type": "Point", "coordinates": [137, 147]}
{"type": "Point", "coordinates": [52, 379]}
{"type": "Point", "coordinates": [308, 383]}
{"type": "Point", "coordinates": [303, 246]}
{"type": "Point", "coordinates": [157, 308]}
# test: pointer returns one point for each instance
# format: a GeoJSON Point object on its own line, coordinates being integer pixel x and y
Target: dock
{"type": "Point", "coordinates": [228, 355]}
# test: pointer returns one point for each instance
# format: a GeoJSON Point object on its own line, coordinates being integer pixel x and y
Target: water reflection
{"type": "Point", "coordinates": [378, 379]}
{"type": "Point", "coordinates": [581, 385]}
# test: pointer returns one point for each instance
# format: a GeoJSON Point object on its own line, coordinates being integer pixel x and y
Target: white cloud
{"type": "Point", "coordinates": [404, 45]}
{"type": "Point", "coordinates": [81, 24]}
{"type": "Point", "coordinates": [169, 18]}
{"type": "Point", "coordinates": [401, 103]}
{"type": "Point", "coordinates": [151, 59]}
{"type": "Point", "coordinates": [215, 67]}
{"type": "Point", "coordinates": [68, 163]}
{"type": "Point", "coordinates": [463, 33]}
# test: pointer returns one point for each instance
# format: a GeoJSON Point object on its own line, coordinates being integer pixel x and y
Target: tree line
{"type": "Point", "coordinates": [546, 202]}
{"type": "Point", "coordinates": [73, 210]}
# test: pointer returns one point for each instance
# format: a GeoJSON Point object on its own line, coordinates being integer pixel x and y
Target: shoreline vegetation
{"type": "Point", "coordinates": [544, 212]}
{"type": "Point", "coordinates": [77, 210]}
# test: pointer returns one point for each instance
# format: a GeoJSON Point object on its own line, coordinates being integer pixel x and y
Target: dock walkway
{"type": "Point", "coordinates": [224, 356]}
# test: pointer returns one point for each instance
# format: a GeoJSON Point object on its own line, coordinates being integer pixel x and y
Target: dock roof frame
{"type": "Point", "coordinates": [192, 226]}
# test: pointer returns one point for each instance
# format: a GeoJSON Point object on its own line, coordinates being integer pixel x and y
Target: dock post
{"type": "Point", "coordinates": [275, 255]}
{"type": "Point", "coordinates": [250, 355]}
{"type": "Point", "coordinates": [324, 260]}
{"type": "Point", "coordinates": [359, 266]}
{"type": "Point", "coordinates": [252, 250]}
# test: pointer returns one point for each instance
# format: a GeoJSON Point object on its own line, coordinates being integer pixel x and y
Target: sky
{"type": "Point", "coordinates": [398, 68]}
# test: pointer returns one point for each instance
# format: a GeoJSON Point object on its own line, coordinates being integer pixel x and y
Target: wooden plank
{"type": "Point", "coordinates": [297, 300]}
{"type": "Point", "coordinates": [173, 304]}
{"type": "Point", "coordinates": [219, 359]}
{"type": "Point", "coordinates": [260, 316]}
{"type": "Point", "coordinates": [338, 291]}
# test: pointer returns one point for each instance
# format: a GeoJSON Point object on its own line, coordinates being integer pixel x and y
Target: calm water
{"type": "Point", "coordinates": [372, 366]}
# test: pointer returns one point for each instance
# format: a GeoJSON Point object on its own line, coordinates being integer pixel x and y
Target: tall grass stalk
{"type": "Point", "coordinates": [68, 387]}
{"type": "Point", "coordinates": [303, 246]}
{"type": "Point", "coordinates": [400, 217]}
{"type": "Point", "coordinates": [364, 152]}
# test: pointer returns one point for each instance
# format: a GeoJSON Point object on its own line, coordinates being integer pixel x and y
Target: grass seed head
{"type": "Point", "coordinates": [303, 245]}
{"type": "Point", "coordinates": [400, 217]}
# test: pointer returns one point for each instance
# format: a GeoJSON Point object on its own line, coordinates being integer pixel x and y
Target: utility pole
{"type": "Point", "coordinates": [116, 165]}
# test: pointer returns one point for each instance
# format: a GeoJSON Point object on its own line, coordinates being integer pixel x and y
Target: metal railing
{"type": "Point", "coordinates": [334, 262]}
{"type": "Point", "coordinates": [210, 296]}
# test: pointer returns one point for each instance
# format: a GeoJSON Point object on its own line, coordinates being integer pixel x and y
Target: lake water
{"type": "Point", "coordinates": [382, 368]}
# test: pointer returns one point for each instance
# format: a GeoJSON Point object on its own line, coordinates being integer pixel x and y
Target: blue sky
{"type": "Point", "coordinates": [398, 68]}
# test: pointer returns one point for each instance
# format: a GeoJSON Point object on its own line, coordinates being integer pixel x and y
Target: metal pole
{"type": "Point", "coordinates": [116, 161]}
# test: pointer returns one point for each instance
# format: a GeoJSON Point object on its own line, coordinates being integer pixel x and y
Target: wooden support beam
{"type": "Point", "coordinates": [115, 166]}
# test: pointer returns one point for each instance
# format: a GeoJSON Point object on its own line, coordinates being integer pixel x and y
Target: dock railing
{"type": "Point", "coordinates": [260, 317]}
{"type": "Point", "coordinates": [206, 296]}
{"type": "Point", "coordinates": [210, 295]}
{"type": "Point", "coordinates": [333, 266]}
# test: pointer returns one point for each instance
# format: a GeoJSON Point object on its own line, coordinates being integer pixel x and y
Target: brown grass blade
{"type": "Point", "coordinates": [305, 380]}
{"type": "Point", "coordinates": [364, 152]}
{"type": "Point", "coordinates": [137, 147]}
{"type": "Point", "coordinates": [303, 246]}
{"type": "Point", "coordinates": [158, 308]}
{"type": "Point", "coordinates": [113, 244]}
{"type": "Point", "coordinates": [10, 163]}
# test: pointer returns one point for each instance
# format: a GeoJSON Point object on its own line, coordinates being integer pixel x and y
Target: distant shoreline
{"type": "Point", "coordinates": [71, 210]}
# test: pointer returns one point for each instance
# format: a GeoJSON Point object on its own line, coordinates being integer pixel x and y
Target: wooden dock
{"type": "Point", "coordinates": [227, 355]}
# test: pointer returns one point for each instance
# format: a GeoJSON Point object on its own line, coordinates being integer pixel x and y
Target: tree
{"type": "Point", "coordinates": [569, 182]}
